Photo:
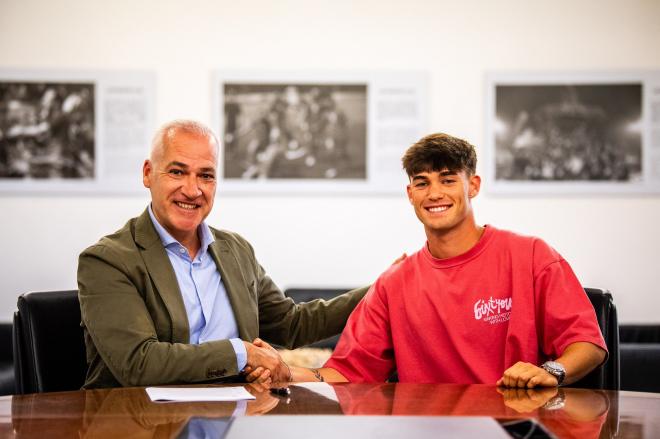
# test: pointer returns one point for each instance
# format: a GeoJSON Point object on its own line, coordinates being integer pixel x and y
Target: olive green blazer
{"type": "Point", "coordinates": [136, 326]}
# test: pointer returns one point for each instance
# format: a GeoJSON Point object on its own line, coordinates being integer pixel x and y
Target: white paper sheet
{"type": "Point", "coordinates": [198, 393]}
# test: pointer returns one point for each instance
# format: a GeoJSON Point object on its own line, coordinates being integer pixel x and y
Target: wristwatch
{"type": "Point", "coordinates": [555, 369]}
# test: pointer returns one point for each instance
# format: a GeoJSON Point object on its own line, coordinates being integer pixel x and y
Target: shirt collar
{"type": "Point", "coordinates": [206, 237]}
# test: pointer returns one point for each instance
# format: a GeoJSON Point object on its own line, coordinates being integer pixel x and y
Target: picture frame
{"type": "Point", "coordinates": [74, 132]}
{"type": "Point", "coordinates": [573, 133]}
{"type": "Point", "coordinates": [317, 132]}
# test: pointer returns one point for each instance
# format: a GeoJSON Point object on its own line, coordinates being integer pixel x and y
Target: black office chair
{"type": "Point", "coordinates": [640, 357]}
{"type": "Point", "coordinates": [49, 346]}
{"type": "Point", "coordinates": [607, 375]}
{"type": "Point", "coordinates": [7, 386]}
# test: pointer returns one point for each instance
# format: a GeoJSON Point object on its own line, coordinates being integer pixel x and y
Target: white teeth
{"type": "Point", "coordinates": [438, 209]}
{"type": "Point", "coordinates": [186, 205]}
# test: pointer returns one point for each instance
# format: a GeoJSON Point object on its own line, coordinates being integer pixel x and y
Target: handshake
{"type": "Point", "coordinates": [264, 364]}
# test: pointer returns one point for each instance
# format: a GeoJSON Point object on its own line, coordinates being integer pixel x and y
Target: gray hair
{"type": "Point", "coordinates": [166, 132]}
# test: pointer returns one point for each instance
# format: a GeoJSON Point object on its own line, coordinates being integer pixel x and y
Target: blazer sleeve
{"type": "Point", "coordinates": [292, 325]}
{"type": "Point", "coordinates": [285, 323]}
{"type": "Point", "coordinates": [121, 334]}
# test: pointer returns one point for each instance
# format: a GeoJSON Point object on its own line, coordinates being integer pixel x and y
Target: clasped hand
{"type": "Point", "coordinates": [264, 364]}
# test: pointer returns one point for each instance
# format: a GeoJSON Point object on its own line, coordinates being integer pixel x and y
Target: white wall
{"type": "Point", "coordinates": [611, 242]}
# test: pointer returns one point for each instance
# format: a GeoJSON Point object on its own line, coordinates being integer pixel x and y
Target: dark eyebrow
{"type": "Point", "coordinates": [444, 173]}
{"type": "Point", "coordinates": [207, 170]}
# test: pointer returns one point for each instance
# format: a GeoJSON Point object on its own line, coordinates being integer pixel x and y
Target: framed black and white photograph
{"type": "Point", "coordinates": [301, 132]}
{"type": "Point", "coordinates": [47, 130]}
{"type": "Point", "coordinates": [73, 132]}
{"type": "Point", "coordinates": [572, 133]}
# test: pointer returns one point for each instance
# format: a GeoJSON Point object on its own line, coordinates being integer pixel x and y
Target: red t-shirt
{"type": "Point", "coordinates": [468, 318]}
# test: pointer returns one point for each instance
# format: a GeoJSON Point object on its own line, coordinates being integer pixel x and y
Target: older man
{"type": "Point", "coordinates": [168, 299]}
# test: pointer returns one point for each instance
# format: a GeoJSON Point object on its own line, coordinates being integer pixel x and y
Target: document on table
{"type": "Point", "coordinates": [237, 393]}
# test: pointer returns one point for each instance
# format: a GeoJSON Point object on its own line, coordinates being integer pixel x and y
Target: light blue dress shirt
{"type": "Point", "coordinates": [210, 315]}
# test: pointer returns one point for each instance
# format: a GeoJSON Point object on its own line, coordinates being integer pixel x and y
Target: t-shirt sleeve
{"type": "Point", "coordinates": [564, 313]}
{"type": "Point", "coordinates": [364, 352]}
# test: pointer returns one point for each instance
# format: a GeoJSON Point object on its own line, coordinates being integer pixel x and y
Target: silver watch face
{"type": "Point", "coordinates": [556, 366]}
{"type": "Point", "coordinates": [556, 369]}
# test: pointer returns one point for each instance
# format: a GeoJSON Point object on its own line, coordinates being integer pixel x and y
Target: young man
{"type": "Point", "coordinates": [475, 305]}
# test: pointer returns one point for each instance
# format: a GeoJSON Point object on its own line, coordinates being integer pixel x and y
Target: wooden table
{"type": "Point", "coordinates": [128, 412]}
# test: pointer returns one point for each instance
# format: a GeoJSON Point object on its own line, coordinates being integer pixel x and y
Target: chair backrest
{"type": "Point", "coordinates": [607, 375]}
{"type": "Point", "coordinates": [7, 386]}
{"type": "Point", "coordinates": [49, 346]}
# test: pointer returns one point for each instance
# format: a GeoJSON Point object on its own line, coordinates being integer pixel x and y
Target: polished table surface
{"type": "Point", "coordinates": [128, 412]}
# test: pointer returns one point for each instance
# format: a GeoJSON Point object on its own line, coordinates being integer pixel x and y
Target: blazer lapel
{"type": "Point", "coordinates": [236, 285]}
{"type": "Point", "coordinates": [162, 274]}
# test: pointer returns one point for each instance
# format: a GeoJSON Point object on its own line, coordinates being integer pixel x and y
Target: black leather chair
{"type": "Point", "coordinates": [607, 375]}
{"type": "Point", "coordinates": [49, 347]}
{"type": "Point", "coordinates": [7, 386]}
{"type": "Point", "coordinates": [640, 357]}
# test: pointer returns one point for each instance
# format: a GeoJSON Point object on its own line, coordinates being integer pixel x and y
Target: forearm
{"type": "Point", "coordinates": [327, 374]}
{"type": "Point", "coordinates": [579, 359]}
{"type": "Point", "coordinates": [155, 363]}
{"type": "Point", "coordinates": [293, 325]}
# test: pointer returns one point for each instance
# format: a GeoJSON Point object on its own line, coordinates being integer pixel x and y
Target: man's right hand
{"type": "Point", "coordinates": [264, 358]}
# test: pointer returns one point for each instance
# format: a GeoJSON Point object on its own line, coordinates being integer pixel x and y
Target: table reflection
{"type": "Point", "coordinates": [122, 413]}
{"type": "Point", "coordinates": [205, 428]}
{"type": "Point", "coordinates": [578, 413]}
{"type": "Point", "coordinates": [129, 412]}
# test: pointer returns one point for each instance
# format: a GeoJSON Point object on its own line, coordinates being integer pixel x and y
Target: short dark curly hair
{"type": "Point", "coordinates": [439, 151]}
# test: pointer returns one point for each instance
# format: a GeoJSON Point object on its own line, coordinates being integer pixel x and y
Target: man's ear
{"type": "Point", "coordinates": [409, 192]}
{"type": "Point", "coordinates": [474, 186]}
{"type": "Point", "coordinates": [146, 173]}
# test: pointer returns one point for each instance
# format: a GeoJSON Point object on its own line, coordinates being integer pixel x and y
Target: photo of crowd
{"type": "Point", "coordinates": [295, 131]}
{"type": "Point", "coordinates": [568, 132]}
{"type": "Point", "coordinates": [46, 130]}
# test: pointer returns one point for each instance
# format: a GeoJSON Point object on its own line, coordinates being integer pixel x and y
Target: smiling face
{"type": "Point", "coordinates": [181, 176]}
{"type": "Point", "coordinates": [442, 199]}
